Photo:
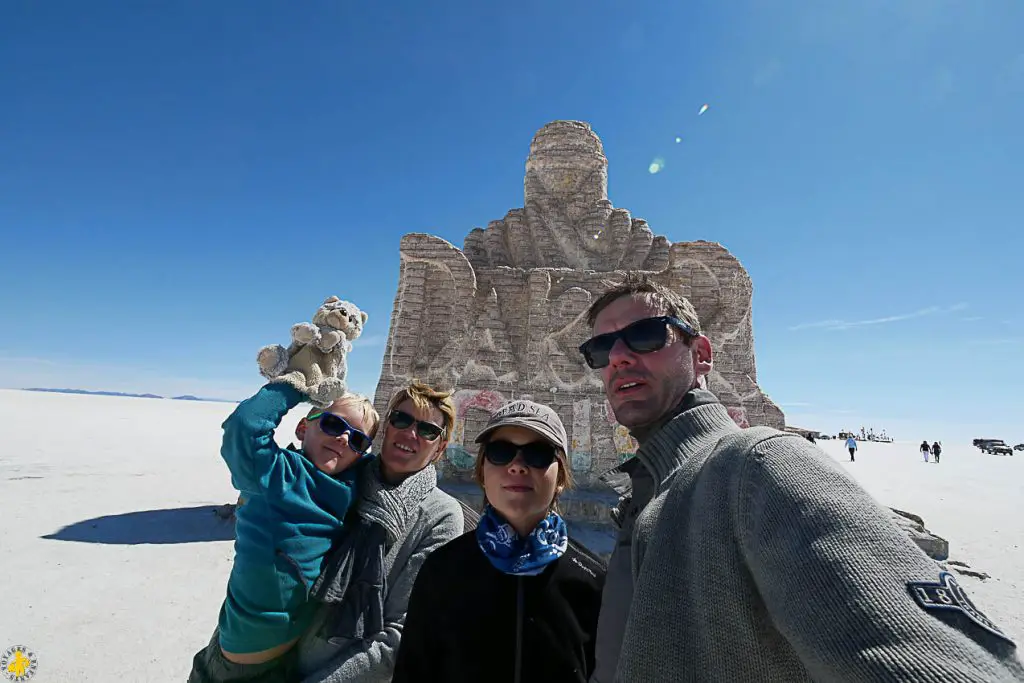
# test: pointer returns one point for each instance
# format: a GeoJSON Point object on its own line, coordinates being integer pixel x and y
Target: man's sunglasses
{"type": "Point", "coordinates": [399, 419]}
{"type": "Point", "coordinates": [537, 455]}
{"type": "Point", "coordinates": [333, 425]}
{"type": "Point", "coordinates": [643, 336]}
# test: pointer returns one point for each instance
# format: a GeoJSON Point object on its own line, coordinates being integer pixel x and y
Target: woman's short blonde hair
{"type": "Point", "coordinates": [425, 397]}
{"type": "Point", "coordinates": [563, 482]}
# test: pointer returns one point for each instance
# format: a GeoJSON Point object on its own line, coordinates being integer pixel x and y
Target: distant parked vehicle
{"type": "Point", "coordinates": [997, 447]}
{"type": "Point", "coordinates": [1019, 447]}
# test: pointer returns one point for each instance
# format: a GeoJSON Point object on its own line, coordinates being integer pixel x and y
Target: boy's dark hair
{"type": "Point", "coordinates": [641, 286]}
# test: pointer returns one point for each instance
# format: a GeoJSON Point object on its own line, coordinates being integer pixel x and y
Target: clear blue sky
{"type": "Point", "coordinates": [181, 181]}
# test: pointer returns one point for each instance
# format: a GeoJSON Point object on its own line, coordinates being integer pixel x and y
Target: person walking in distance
{"type": "Point", "coordinates": [925, 450]}
{"type": "Point", "coordinates": [851, 445]}
{"type": "Point", "coordinates": [936, 451]}
{"type": "Point", "coordinates": [748, 554]}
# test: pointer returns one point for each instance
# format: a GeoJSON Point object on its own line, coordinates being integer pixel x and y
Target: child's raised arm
{"type": "Point", "coordinates": [248, 447]}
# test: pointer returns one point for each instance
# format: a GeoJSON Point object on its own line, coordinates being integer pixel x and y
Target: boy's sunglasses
{"type": "Point", "coordinates": [399, 419]}
{"type": "Point", "coordinates": [332, 425]}
{"type": "Point", "coordinates": [643, 336]}
{"type": "Point", "coordinates": [537, 455]}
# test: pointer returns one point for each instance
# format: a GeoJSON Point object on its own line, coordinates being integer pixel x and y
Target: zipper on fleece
{"type": "Point", "coordinates": [519, 630]}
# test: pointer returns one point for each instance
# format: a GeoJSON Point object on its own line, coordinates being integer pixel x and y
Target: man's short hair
{"type": "Point", "coordinates": [425, 397]}
{"type": "Point", "coordinates": [655, 294]}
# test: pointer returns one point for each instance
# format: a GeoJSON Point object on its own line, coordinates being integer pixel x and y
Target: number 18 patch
{"type": "Point", "coordinates": [948, 595]}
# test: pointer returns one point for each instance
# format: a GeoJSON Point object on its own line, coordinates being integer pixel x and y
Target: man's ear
{"type": "Point", "coordinates": [300, 429]}
{"type": "Point", "coordinates": [703, 357]}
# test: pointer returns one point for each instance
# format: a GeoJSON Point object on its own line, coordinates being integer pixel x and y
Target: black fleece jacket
{"type": "Point", "coordinates": [469, 622]}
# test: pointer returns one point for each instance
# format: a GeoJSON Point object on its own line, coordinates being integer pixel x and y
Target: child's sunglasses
{"type": "Point", "coordinates": [333, 425]}
{"type": "Point", "coordinates": [399, 419]}
{"type": "Point", "coordinates": [537, 455]}
{"type": "Point", "coordinates": [643, 336]}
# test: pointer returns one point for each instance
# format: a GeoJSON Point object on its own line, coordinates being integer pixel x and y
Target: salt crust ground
{"type": "Point", "coordinates": [112, 564]}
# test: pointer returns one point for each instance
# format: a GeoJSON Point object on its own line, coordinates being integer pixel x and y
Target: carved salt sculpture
{"type": "Point", "coordinates": [502, 317]}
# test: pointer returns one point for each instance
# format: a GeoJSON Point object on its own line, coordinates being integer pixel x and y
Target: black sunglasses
{"type": "Point", "coordinates": [399, 419]}
{"type": "Point", "coordinates": [333, 425]}
{"type": "Point", "coordinates": [537, 455]}
{"type": "Point", "coordinates": [643, 336]}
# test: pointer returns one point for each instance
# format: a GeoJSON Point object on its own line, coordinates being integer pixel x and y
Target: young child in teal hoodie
{"type": "Point", "coordinates": [295, 504]}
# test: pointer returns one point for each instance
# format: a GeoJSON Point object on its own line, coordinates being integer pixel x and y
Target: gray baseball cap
{"type": "Point", "coordinates": [536, 417]}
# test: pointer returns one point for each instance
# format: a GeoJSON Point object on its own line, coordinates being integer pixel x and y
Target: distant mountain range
{"type": "Point", "coordinates": [186, 397]}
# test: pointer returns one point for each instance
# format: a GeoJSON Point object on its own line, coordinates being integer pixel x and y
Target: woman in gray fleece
{"type": "Point", "coordinates": [401, 517]}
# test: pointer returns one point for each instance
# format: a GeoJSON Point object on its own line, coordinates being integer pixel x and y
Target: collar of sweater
{"type": "Point", "coordinates": [392, 506]}
{"type": "Point", "coordinates": [698, 423]}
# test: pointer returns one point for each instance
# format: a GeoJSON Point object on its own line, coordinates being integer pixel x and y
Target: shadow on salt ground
{"type": "Point", "coordinates": [175, 525]}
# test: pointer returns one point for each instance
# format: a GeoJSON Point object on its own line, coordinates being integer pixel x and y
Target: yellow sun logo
{"type": "Point", "coordinates": [18, 663]}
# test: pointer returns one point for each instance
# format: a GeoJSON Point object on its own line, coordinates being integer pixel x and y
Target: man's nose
{"type": "Point", "coordinates": [620, 354]}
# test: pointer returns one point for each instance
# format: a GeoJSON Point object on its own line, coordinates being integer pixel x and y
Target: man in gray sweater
{"type": "Point", "coordinates": [749, 554]}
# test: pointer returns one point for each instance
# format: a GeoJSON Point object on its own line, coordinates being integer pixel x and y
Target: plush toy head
{"type": "Point", "coordinates": [341, 315]}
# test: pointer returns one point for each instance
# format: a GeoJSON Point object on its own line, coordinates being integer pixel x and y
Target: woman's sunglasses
{"type": "Point", "coordinates": [332, 425]}
{"type": "Point", "coordinates": [537, 455]}
{"type": "Point", "coordinates": [399, 419]}
{"type": "Point", "coordinates": [643, 336]}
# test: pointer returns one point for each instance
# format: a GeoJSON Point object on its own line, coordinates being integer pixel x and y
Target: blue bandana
{"type": "Point", "coordinates": [521, 556]}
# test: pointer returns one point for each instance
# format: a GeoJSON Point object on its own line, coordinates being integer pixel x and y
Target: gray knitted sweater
{"type": "Point", "coordinates": [419, 518]}
{"type": "Point", "coordinates": [763, 560]}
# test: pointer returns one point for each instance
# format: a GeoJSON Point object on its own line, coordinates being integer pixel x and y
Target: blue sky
{"type": "Point", "coordinates": [182, 181]}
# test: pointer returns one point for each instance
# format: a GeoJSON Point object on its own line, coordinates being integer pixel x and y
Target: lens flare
{"type": "Point", "coordinates": [657, 166]}
{"type": "Point", "coordinates": [703, 109]}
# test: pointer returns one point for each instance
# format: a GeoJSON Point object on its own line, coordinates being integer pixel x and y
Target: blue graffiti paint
{"type": "Point", "coordinates": [581, 461]}
{"type": "Point", "coordinates": [460, 458]}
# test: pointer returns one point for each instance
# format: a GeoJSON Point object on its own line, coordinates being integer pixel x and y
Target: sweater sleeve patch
{"type": "Point", "coordinates": [948, 596]}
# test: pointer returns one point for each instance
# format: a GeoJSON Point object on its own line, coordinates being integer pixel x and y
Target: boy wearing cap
{"type": "Point", "coordinates": [534, 595]}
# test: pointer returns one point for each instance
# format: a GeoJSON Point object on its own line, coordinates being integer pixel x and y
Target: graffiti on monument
{"type": "Point", "coordinates": [625, 444]}
{"type": "Point", "coordinates": [473, 407]}
{"type": "Point", "coordinates": [580, 448]}
{"type": "Point", "coordinates": [739, 416]}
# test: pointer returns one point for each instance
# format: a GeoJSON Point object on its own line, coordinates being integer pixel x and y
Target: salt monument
{"type": "Point", "coordinates": [502, 317]}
